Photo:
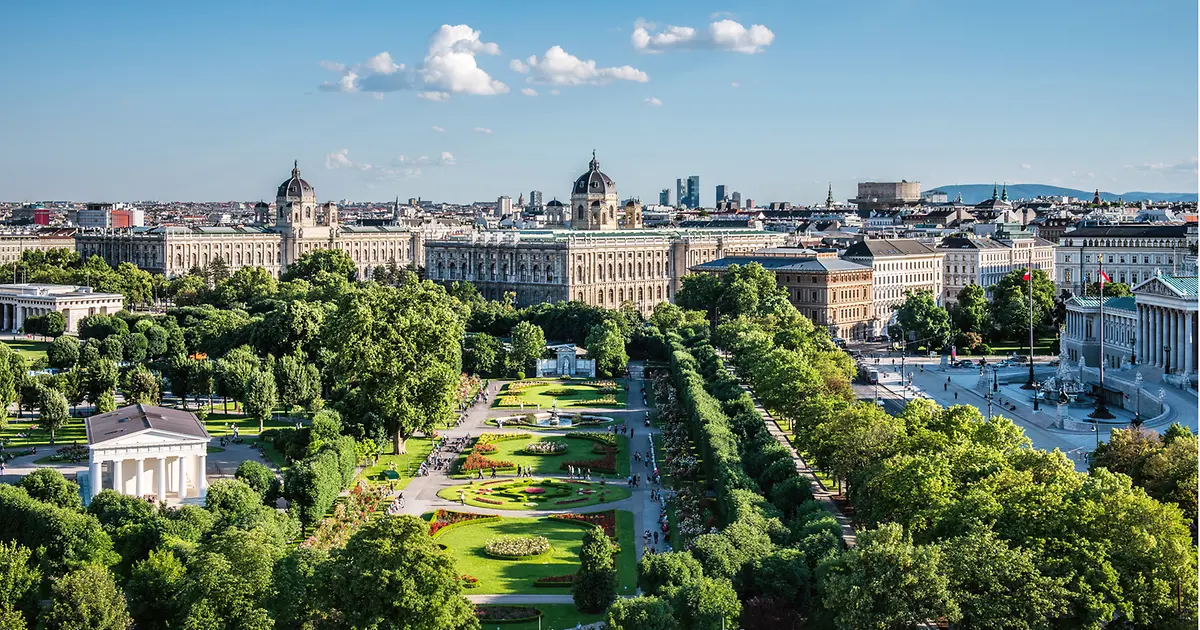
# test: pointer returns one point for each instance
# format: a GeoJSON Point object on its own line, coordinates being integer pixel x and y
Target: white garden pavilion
{"type": "Point", "coordinates": [148, 450]}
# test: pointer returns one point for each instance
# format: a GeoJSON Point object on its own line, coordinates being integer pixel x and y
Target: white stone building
{"type": "Point", "coordinates": [146, 450]}
{"type": "Point", "coordinates": [20, 301]}
{"type": "Point", "coordinates": [1132, 253]}
{"type": "Point", "coordinates": [985, 261]}
{"type": "Point", "coordinates": [568, 361]}
{"type": "Point", "coordinates": [898, 265]}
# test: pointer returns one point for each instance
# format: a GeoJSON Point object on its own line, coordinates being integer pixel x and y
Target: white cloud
{"type": "Point", "coordinates": [483, 130]}
{"type": "Point", "coordinates": [720, 15]}
{"type": "Point", "coordinates": [518, 66]}
{"type": "Point", "coordinates": [555, 92]}
{"type": "Point", "coordinates": [558, 67]}
{"type": "Point", "coordinates": [402, 167]}
{"type": "Point", "coordinates": [736, 84]}
{"type": "Point", "coordinates": [438, 129]}
{"type": "Point", "coordinates": [1185, 166]}
{"type": "Point", "coordinates": [1027, 166]}
{"type": "Point", "coordinates": [449, 67]}
{"type": "Point", "coordinates": [434, 96]}
{"type": "Point", "coordinates": [652, 102]}
{"type": "Point", "coordinates": [723, 34]}
{"type": "Point", "coordinates": [529, 91]}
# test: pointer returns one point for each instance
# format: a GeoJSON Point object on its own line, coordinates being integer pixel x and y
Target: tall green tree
{"type": "Point", "coordinates": [1111, 289]}
{"type": "Point", "coordinates": [54, 325]}
{"type": "Point", "coordinates": [331, 261]}
{"type": "Point", "coordinates": [481, 354]}
{"type": "Point", "coordinates": [154, 590]}
{"type": "Point", "coordinates": [391, 575]}
{"type": "Point", "coordinates": [298, 382]}
{"type": "Point", "coordinates": [922, 322]}
{"type": "Point", "coordinates": [708, 604]}
{"type": "Point", "coordinates": [528, 342]}
{"type": "Point", "coordinates": [971, 312]}
{"type": "Point", "coordinates": [642, 613]}
{"type": "Point", "coordinates": [260, 396]}
{"type": "Point", "coordinates": [396, 353]}
{"type": "Point", "coordinates": [886, 582]}
{"type": "Point", "coordinates": [63, 352]}
{"type": "Point", "coordinates": [86, 599]}
{"type": "Point", "coordinates": [49, 485]}
{"type": "Point", "coordinates": [140, 385]}
{"type": "Point", "coordinates": [53, 413]}
{"type": "Point", "coordinates": [595, 584]}
{"type": "Point", "coordinates": [19, 580]}
{"type": "Point", "coordinates": [606, 346]}
{"type": "Point", "coordinates": [996, 586]}
{"type": "Point", "coordinates": [1010, 304]}
{"type": "Point", "coordinates": [232, 372]}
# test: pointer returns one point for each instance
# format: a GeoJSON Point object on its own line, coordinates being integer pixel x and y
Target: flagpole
{"type": "Point", "coordinates": [1101, 412]}
{"type": "Point", "coordinates": [1031, 383]}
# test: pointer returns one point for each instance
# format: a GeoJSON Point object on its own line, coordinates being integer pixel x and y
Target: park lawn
{"type": "Point", "coordinates": [406, 465]}
{"type": "Point", "coordinates": [509, 494]}
{"type": "Point", "coordinates": [217, 423]}
{"type": "Point", "coordinates": [465, 544]}
{"type": "Point", "coordinates": [577, 449]}
{"type": "Point", "coordinates": [74, 431]}
{"type": "Point", "coordinates": [554, 617]}
{"type": "Point", "coordinates": [28, 348]}
{"type": "Point", "coordinates": [573, 394]}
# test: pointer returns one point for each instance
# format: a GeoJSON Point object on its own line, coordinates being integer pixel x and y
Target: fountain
{"type": "Point", "coordinates": [1065, 381]}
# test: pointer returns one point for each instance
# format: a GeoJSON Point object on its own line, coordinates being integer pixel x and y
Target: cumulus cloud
{"type": "Point", "coordinates": [438, 129]}
{"type": "Point", "coordinates": [529, 91]}
{"type": "Point", "coordinates": [402, 167]}
{"type": "Point", "coordinates": [483, 130]}
{"type": "Point", "coordinates": [518, 66]}
{"type": "Point", "coordinates": [434, 96]}
{"type": "Point", "coordinates": [449, 67]}
{"type": "Point", "coordinates": [652, 101]}
{"type": "Point", "coordinates": [1027, 166]}
{"type": "Point", "coordinates": [722, 34]}
{"type": "Point", "coordinates": [558, 67]}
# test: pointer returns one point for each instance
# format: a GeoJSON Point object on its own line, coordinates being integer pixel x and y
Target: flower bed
{"type": "Point", "coordinates": [545, 447]}
{"type": "Point", "coordinates": [606, 399]}
{"type": "Point", "coordinates": [506, 614]}
{"type": "Point", "coordinates": [469, 581]}
{"type": "Point", "coordinates": [488, 438]}
{"type": "Point", "coordinates": [570, 501]}
{"type": "Point", "coordinates": [348, 516]}
{"type": "Point", "coordinates": [517, 546]}
{"type": "Point", "coordinates": [485, 448]}
{"type": "Point", "coordinates": [443, 519]}
{"type": "Point", "coordinates": [535, 490]}
{"type": "Point", "coordinates": [490, 501]}
{"type": "Point", "coordinates": [510, 401]}
{"type": "Point", "coordinates": [475, 461]}
{"type": "Point", "coordinates": [596, 436]}
{"type": "Point", "coordinates": [606, 520]}
{"type": "Point", "coordinates": [555, 581]}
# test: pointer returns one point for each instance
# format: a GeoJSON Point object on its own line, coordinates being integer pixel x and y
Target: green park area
{"type": "Point", "coordinates": [31, 349]}
{"type": "Point", "coordinates": [564, 394]}
{"type": "Point", "coordinates": [467, 543]}
{"type": "Point", "coordinates": [604, 454]}
{"type": "Point", "coordinates": [535, 494]}
{"type": "Point", "coordinates": [552, 616]}
{"type": "Point", "coordinates": [400, 469]}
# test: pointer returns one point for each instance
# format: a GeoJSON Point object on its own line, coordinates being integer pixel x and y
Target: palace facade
{"type": "Point", "coordinates": [593, 261]}
{"type": "Point", "coordinates": [300, 226]}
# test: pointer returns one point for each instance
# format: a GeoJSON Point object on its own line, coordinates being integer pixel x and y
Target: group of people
{"type": "Point", "coordinates": [573, 472]}
{"type": "Point", "coordinates": [623, 430]}
{"type": "Point", "coordinates": [444, 451]}
{"type": "Point", "coordinates": [396, 506]}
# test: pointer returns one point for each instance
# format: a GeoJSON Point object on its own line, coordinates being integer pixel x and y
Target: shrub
{"type": "Point", "coordinates": [506, 614]}
{"type": "Point", "coordinates": [546, 447]}
{"type": "Point", "coordinates": [606, 520]}
{"type": "Point", "coordinates": [443, 519]}
{"type": "Point", "coordinates": [595, 436]}
{"type": "Point", "coordinates": [517, 546]}
{"type": "Point", "coordinates": [475, 461]}
{"type": "Point", "coordinates": [555, 581]}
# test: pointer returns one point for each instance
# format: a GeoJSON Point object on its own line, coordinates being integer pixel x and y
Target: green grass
{"type": "Point", "coordinates": [28, 348]}
{"type": "Point", "coordinates": [575, 394]}
{"type": "Point", "coordinates": [406, 465]}
{"type": "Point", "coordinates": [217, 423]}
{"type": "Point", "coordinates": [554, 617]}
{"type": "Point", "coordinates": [577, 449]}
{"type": "Point", "coordinates": [829, 482]}
{"type": "Point", "coordinates": [510, 493]}
{"type": "Point", "coordinates": [73, 432]}
{"type": "Point", "coordinates": [466, 546]}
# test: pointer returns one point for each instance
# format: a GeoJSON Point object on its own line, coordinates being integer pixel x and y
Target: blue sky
{"type": "Point", "coordinates": [213, 100]}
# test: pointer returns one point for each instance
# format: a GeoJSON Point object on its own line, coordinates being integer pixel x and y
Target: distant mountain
{"type": "Point", "coordinates": [975, 193]}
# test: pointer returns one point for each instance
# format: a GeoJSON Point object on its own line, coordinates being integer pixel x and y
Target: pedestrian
{"type": "Point", "coordinates": [493, 472]}
{"type": "Point", "coordinates": [945, 386]}
{"type": "Point", "coordinates": [462, 497]}
{"type": "Point", "coordinates": [631, 433]}
{"type": "Point", "coordinates": [656, 538]}
{"type": "Point", "coordinates": [955, 395]}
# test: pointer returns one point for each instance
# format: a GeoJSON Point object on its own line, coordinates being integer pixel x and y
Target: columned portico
{"type": "Point", "coordinates": [149, 451]}
{"type": "Point", "coordinates": [1167, 313]}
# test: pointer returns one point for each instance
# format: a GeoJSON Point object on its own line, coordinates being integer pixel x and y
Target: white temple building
{"type": "Point", "coordinates": [150, 451]}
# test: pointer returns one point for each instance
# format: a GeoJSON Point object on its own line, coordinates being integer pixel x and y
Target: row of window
{"type": "Point", "coordinates": [1120, 258]}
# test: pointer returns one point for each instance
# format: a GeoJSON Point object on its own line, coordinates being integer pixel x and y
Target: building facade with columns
{"type": "Point", "coordinates": [146, 450]}
{"type": "Point", "coordinates": [300, 226]}
{"type": "Point", "coordinates": [1167, 310]}
{"type": "Point", "coordinates": [1081, 337]}
{"type": "Point", "coordinates": [1132, 253]}
{"type": "Point", "coordinates": [595, 261]}
{"type": "Point", "coordinates": [21, 301]}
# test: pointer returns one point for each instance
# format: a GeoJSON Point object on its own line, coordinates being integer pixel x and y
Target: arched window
{"type": "Point", "coordinates": [621, 294]}
{"type": "Point", "coordinates": [610, 295]}
{"type": "Point", "coordinates": [579, 212]}
{"type": "Point", "coordinates": [660, 293]}
{"type": "Point", "coordinates": [641, 295]}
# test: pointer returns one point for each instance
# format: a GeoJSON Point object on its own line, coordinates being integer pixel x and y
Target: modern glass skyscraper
{"type": "Point", "coordinates": [680, 193]}
{"type": "Point", "coordinates": [693, 191]}
{"type": "Point", "coordinates": [535, 199]}
{"type": "Point", "coordinates": [664, 197]}
{"type": "Point", "coordinates": [720, 193]}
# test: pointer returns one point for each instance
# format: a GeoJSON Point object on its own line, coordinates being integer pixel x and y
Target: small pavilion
{"type": "Point", "coordinates": [150, 451]}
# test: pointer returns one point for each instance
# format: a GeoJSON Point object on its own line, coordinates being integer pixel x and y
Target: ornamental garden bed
{"type": "Point", "coordinates": [467, 546]}
{"type": "Point", "coordinates": [517, 547]}
{"type": "Point", "coordinates": [506, 614]}
{"type": "Point", "coordinates": [580, 450]}
{"type": "Point", "coordinates": [563, 394]}
{"type": "Point", "coordinates": [535, 494]}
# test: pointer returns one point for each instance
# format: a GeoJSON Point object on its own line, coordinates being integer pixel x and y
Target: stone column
{"type": "Point", "coordinates": [1177, 354]}
{"type": "Point", "coordinates": [160, 480]}
{"type": "Point", "coordinates": [1141, 334]}
{"type": "Point", "coordinates": [118, 484]}
{"type": "Point", "coordinates": [138, 483]}
{"type": "Point", "coordinates": [1189, 342]}
{"type": "Point", "coordinates": [202, 474]}
{"type": "Point", "coordinates": [1155, 340]}
{"type": "Point", "coordinates": [96, 470]}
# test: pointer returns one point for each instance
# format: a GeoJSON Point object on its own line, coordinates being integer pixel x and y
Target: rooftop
{"type": "Point", "coordinates": [1118, 303]}
{"type": "Point", "coordinates": [783, 264]}
{"type": "Point", "coordinates": [879, 247]}
{"type": "Point", "coordinates": [135, 419]}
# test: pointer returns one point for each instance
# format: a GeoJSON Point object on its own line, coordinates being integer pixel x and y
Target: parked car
{"type": "Point", "coordinates": [1003, 364]}
{"type": "Point", "coordinates": [964, 363]}
{"type": "Point", "coordinates": [1019, 359]}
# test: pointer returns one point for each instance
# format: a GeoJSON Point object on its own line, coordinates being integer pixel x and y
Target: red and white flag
{"type": "Point", "coordinates": [1026, 276]}
{"type": "Point", "coordinates": [1104, 277]}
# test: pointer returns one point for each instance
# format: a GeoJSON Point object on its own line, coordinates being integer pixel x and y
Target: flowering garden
{"type": "Point", "coordinates": [563, 394]}
{"type": "Point", "coordinates": [601, 453]}
{"type": "Point", "coordinates": [535, 494]}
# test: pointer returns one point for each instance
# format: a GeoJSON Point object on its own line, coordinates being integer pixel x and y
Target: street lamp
{"type": "Point", "coordinates": [989, 399]}
{"type": "Point", "coordinates": [1167, 364]}
{"type": "Point", "coordinates": [1137, 383]}
{"type": "Point", "coordinates": [995, 383]}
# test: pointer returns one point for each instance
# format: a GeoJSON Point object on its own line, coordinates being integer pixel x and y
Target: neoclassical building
{"type": "Point", "coordinates": [147, 451]}
{"type": "Point", "coordinates": [1131, 253]}
{"type": "Point", "coordinates": [300, 225]}
{"type": "Point", "coordinates": [597, 260]}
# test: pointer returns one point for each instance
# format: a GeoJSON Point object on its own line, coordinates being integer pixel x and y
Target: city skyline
{"type": "Point", "coordinates": [471, 102]}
